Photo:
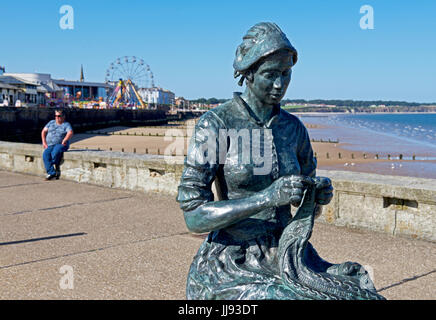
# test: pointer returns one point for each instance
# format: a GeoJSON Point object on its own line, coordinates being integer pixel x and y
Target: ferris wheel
{"type": "Point", "coordinates": [130, 68]}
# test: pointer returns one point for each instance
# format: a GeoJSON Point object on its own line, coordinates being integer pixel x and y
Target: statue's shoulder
{"type": "Point", "coordinates": [291, 119]}
{"type": "Point", "coordinates": [217, 116]}
{"type": "Point", "coordinates": [222, 111]}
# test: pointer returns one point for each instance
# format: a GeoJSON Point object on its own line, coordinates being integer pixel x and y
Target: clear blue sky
{"type": "Point", "coordinates": [190, 45]}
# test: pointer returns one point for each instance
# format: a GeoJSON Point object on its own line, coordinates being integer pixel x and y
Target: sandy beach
{"type": "Point", "coordinates": [369, 151]}
{"type": "Point", "coordinates": [330, 155]}
{"type": "Point", "coordinates": [359, 161]}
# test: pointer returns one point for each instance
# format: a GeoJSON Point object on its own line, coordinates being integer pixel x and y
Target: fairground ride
{"type": "Point", "coordinates": [128, 74]}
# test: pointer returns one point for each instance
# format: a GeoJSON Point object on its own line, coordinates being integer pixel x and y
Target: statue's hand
{"type": "Point", "coordinates": [324, 190]}
{"type": "Point", "coordinates": [287, 190]}
{"type": "Point", "coordinates": [346, 269]}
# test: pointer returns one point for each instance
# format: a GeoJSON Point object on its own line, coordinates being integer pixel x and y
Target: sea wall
{"type": "Point", "coordinates": [391, 204]}
{"type": "Point", "coordinates": [25, 124]}
{"type": "Point", "coordinates": [103, 168]}
{"type": "Point", "coordinates": [399, 206]}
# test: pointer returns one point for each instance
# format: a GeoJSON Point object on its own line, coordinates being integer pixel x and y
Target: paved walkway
{"type": "Point", "coordinates": [130, 245]}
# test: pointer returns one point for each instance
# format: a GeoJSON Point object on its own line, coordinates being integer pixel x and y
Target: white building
{"type": "Point", "coordinates": [157, 96]}
{"type": "Point", "coordinates": [44, 87]}
{"type": "Point", "coordinates": [8, 93]}
{"type": "Point", "coordinates": [49, 90]}
{"type": "Point", "coordinates": [14, 88]}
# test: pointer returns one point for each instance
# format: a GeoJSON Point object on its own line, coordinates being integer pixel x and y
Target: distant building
{"type": "Point", "coordinates": [41, 89]}
{"type": "Point", "coordinates": [182, 103]}
{"type": "Point", "coordinates": [14, 88]}
{"type": "Point", "coordinates": [8, 92]}
{"type": "Point", "coordinates": [84, 90]}
{"type": "Point", "coordinates": [81, 90]}
{"type": "Point", "coordinates": [157, 96]}
{"type": "Point", "coordinates": [46, 88]}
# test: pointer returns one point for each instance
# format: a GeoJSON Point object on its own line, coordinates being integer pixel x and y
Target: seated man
{"type": "Point", "coordinates": [55, 139]}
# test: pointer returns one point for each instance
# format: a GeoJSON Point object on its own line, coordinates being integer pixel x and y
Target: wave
{"type": "Point", "coordinates": [379, 133]}
{"type": "Point", "coordinates": [407, 127]}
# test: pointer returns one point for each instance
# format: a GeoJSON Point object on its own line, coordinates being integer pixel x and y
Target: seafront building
{"type": "Point", "coordinates": [13, 89]}
{"type": "Point", "coordinates": [7, 90]}
{"type": "Point", "coordinates": [87, 90]}
{"type": "Point", "coordinates": [33, 89]}
{"type": "Point", "coordinates": [182, 103]}
{"type": "Point", "coordinates": [41, 89]}
{"type": "Point", "coordinates": [157, 96]}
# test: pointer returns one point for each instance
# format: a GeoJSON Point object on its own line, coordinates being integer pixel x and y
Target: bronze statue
{"type": "Point", "coordinates": [261, 161]}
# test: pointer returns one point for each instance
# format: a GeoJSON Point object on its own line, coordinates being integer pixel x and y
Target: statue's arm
{"type": "Point", "coordinates": [220, 214]}
{"type": "Point", "coordinates": [208, 215]}
{"type": "Point", "coordinates": [202, 214]}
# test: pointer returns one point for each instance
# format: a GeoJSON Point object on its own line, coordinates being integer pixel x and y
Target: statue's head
{"type": "Point", "coordinates": [264, 60]}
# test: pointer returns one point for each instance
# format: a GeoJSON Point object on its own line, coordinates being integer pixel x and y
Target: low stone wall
{"type": "Point", "coordinates": [103, 168]}
{"type": "Point", "coordinates": [395, 205]}
{"type": "Point", "coordinates": [391, 204]}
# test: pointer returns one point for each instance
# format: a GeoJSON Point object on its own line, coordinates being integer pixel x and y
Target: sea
{"type": "Point", "coordinates": [413, 135]}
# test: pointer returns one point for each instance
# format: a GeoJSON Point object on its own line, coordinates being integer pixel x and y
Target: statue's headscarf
{"type": "Point", "coordinates": [260, 41]}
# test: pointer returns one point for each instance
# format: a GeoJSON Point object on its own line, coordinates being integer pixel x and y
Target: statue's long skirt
{"type": "Point", "coordinates": [228, 268]}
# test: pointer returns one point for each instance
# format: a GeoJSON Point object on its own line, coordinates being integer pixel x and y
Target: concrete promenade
{"type": "Point", "coordinates": [133, 245]}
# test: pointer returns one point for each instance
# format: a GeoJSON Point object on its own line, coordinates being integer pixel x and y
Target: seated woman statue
{"type": "Point", "coordinates": [261, 161]}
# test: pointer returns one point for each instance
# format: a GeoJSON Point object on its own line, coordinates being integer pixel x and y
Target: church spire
{"type": "Point", "coordinates": [82, 78]}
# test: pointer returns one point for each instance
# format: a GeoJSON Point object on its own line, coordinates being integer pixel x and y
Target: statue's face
{"type": "Point", "coordinates": [271, 79]}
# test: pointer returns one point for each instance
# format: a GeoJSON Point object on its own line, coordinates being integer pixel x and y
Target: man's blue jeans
{"type": "Point", "coordinates": [52, 156]}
